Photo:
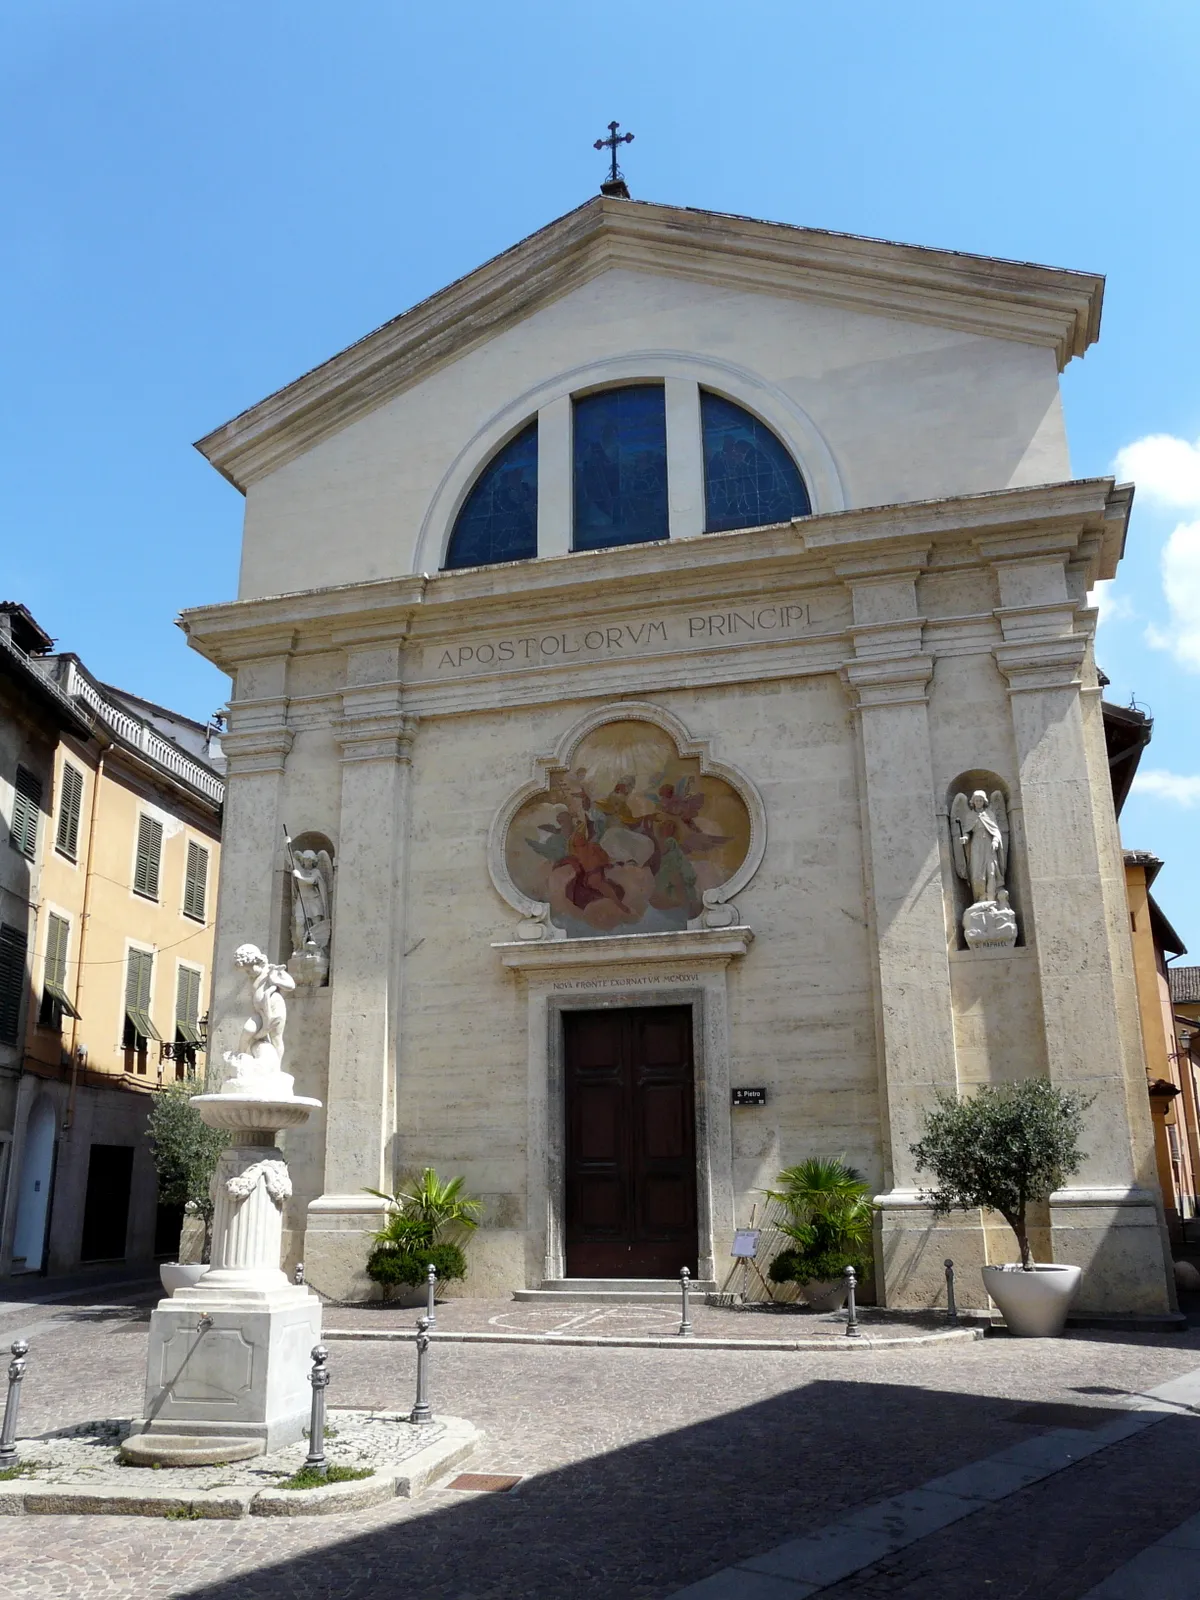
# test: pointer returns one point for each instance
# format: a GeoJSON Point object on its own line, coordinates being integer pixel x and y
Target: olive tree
{"type": "Point", "coordinates": [186, 1151]}
{"type": "Point", "coordinates": [1001, 1148]}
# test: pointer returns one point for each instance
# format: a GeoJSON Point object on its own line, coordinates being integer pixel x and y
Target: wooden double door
{"type": "Point", "coordinates": [631, 1143]}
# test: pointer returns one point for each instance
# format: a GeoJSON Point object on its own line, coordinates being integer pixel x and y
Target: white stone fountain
{"type": "Point", "coordinates": [227, 1370]}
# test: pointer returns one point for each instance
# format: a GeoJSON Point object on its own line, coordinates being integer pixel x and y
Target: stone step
{"type": "Point", "coordinates": [613, 1291]}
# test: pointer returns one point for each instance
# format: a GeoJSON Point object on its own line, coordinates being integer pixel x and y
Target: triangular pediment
{"type": "Point", "coordinates": [982, 295]}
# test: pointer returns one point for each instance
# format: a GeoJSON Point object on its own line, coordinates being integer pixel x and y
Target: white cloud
{"type": "Point", "coordinates": [1181, 590]}
{"type": "Point", "coordinates": [1174, 786]}
{"type": "Point", "coordinates": [1112, 607]}
{"type": "Point", "coordinates": [1165, 469]}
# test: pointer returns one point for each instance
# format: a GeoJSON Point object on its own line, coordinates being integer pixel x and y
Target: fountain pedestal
{"type": "Point", "coordinates": [227, 1368]}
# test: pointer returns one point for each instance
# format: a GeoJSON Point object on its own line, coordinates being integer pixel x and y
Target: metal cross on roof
{"type": "Point", "coordinates": [615, 182]}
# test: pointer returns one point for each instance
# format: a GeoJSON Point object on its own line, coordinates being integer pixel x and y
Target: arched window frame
{"type": "Point", "coordinates": [682, 378]}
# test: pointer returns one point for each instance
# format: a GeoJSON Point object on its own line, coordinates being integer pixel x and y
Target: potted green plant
{"type": "Point", "coordinates": [828, 1216]}
{"type": "Point", "coordinates": [429, 1219]}
{"type": "Point", "coordinates": [185, 1152]}
{"type": "Point", "coordinates": [1004, 1148]}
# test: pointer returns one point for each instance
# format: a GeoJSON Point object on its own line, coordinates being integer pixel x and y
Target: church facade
{"type": "Point", "coordinates": [670, 646]}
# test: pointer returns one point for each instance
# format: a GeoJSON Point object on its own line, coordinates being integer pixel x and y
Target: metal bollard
{"type": "Point", "coordinates": [685, 1325]}
{"type": "Point", "coordinates": [298, 1275]}
{"type": "Point", "coordinates": [421, 1412]}
{"type": "Point", "coordinates": [852, 1330]}
{"type": "Point", "coordinates": [431, 1307]}
{"type": "Point", "coordinates": [8, 1433]}
{"type": "Point", "coordinates": [319, 1378]}
{"type": "Point", "coordinates": [951, 1307]}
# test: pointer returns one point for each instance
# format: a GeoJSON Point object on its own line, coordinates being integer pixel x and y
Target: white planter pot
{"type": "Point", "coordinates": [181, 1274]}
{"type": "Point", "coordinates": [824, 1294]}
{"type": "Point", "coordinates": [1034, 1304]}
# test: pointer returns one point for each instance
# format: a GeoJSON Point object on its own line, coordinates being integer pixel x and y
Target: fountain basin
{"type": "Point", "coordinates": [237, 1113]}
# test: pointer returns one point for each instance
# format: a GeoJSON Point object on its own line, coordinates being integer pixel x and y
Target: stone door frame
{"type": "Point", "coordinates": [619, 972]}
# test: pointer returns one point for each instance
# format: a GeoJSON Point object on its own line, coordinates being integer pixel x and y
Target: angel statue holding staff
{"type": "Point", "coordinates": [979, 842]}
{"type": "Point", "coordinates": [979, 831]}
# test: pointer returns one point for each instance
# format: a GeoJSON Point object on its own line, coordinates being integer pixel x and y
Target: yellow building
{"type": "Point", "coordinates": [124, 885]}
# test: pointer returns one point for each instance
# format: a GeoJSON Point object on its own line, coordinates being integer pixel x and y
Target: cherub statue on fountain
{"type": "Point", "coordinates": [259, 1054]}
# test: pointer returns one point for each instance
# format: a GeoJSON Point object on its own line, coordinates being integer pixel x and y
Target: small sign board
{"type": "Point", "coordinates": [745, 1243]}
{"type": "Point", "coordinates": [749, 1097]}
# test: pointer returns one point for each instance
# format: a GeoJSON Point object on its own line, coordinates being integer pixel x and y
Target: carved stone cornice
{"type": "Point", "coordinates": [1042, 664]}
{"type": "Point", "coordinates": [386, 736]}
{"type": "Point", "coordinates": [976, 294]}
{"type": "Point", "coordinates": [887, 682]}
{"type": "Point", "coordinates": [256, 750]}
{"type": "Point", "coordinates": [569, 956]}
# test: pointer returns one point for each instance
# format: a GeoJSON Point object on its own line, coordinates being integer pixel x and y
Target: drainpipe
{"type": "Point", "coordinates": [69, 1115]}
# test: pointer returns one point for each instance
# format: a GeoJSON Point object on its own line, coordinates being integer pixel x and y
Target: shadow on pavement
{"type": "Point", "coordinates": [644, 1519]}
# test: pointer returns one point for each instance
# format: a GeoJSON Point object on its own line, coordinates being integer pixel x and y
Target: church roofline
{"type": "Point", "coordinates": [982, 295]}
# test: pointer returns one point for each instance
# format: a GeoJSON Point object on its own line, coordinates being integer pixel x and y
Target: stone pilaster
{"type": "Point", "coordinates": [256, 748]}
{"type": "Point", "coordinates": [888, 679]}
{"type": "Point", "coordinates": [376, 738]}
{"type": "Point", "coordinates": [1106, 1221]}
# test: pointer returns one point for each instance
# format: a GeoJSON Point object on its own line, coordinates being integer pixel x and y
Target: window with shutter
{"type": "Point", "coordinates": [70, 805]}
{"type": "Point", "coordinates": [55, 1000]}
{"type": "Point", "coordinates": [27, 803]}
{"type": "Point", "coordinates": [138, 978]}
{"type": "Point", "coordinates": [13, 945]}
{"type": "Point", "coordinates": [149, 857]}
{"type": "Point", "coordinates": [187, 1006]}
{"type": "Point", "coordinates": [195, 883]}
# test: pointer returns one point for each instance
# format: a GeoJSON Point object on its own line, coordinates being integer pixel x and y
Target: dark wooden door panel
{"type": "Point", "coordinates": [631, 1143]}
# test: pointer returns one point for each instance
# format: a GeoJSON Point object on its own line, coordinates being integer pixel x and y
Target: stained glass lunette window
{"type": "Point", "coordinates": [749, 477]}
{"type": "Point", "coordinates": [620, 467]}
{"type": "Point", "coordinates": [498, 521]}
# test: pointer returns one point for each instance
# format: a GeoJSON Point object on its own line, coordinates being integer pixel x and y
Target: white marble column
{"type": "Point", "coordinates": [1107, 1220]}
{"type": "Point", "coordinates": [888, 680]}
{"type": "Point", "coordinates": [375, 738]}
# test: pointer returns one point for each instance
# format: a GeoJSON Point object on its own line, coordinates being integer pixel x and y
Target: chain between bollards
{"type": "Point", "coordinates": [951, 1306]}
{"type": "Point", "coordinates": [852, 1330]}
{"type": "Point", "coordinates": [421, 1412]}
{"type": "Point", "coordinates": [431, 1306]}
{"type": "Point", "coordinates": [298, 1275]}
{"type": "Point", "coordinates": [319, 1378]}
{"type": "Point", "coordinates": [8, 1433]}
{"type": "Point", "coordinates": [685, 1324]}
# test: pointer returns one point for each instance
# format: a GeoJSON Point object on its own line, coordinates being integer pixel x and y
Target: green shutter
{"type": "Point", "coordinates": [27, 803]}
{"type": "Point", "coordinates": [54, 982]}
{"type": "Point", "coordinates": [195, 883]}
{"type": "Point", "coordinates": [149, 857]}
{"type": "Point", "coordinates": [138, 978]}
{"type": "Point", "coordinates": [12, 981]}
{"type": "Point", "coordinates": [69, 807]}
{"type": "Point", "coordinates": [187, 1005]}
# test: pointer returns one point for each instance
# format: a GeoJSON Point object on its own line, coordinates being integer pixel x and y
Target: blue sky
{"type": "Point", "coordinates": [201, 201]}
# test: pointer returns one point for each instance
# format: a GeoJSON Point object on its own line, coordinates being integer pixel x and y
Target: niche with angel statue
{"type": "Point", "coordinates": [979, 848]}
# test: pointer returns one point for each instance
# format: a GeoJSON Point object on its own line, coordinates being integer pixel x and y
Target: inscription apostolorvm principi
{"type": "Point", "coordinates": [741, 624]}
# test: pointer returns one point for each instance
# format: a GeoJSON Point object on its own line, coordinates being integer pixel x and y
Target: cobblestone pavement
{"type": "Point", "coordinates": [643, 1469]}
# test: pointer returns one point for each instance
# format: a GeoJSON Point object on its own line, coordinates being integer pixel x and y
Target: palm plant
{"type": "Point", "coordinates": [828, 1217]}
{"type": "Point", "coordinates": [428, 1220]}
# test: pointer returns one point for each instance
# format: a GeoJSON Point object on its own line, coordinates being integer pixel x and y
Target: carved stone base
{"type": "Point", "coordinates": [230, 1367]}
{"type": "Point", "coordinates": [309, 966]}
{"type": "Point", "coordinates": [990, 924]}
